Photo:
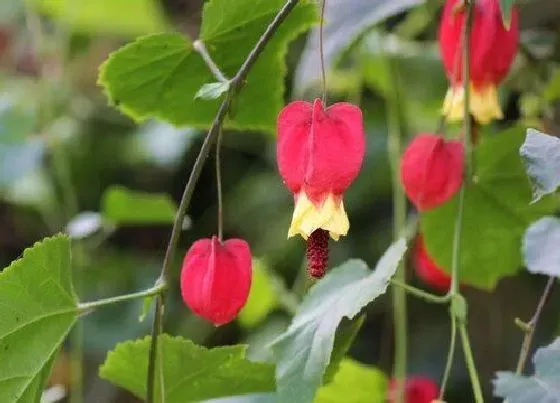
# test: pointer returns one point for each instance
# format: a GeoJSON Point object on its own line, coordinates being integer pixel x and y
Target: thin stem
{"type": "Point", "coordinates": [199, 46]}
{"type": "Point", "coordinates": [219, 187]}
{"type": "Point", "coordinates": [321, 51]}
{"type": "Point", "coordinates": [86, 307]}
{"type": "Point", "coordinates": [532, 325]}
{"type": "Point", "coordinates": [426, 296]}
{"type": "Point", "coordinates": [235, 84]}
{"type": "Point", "coordinates": [469, 360]}
{"type": "Point", "coordinates": [450, 356]}
{"type": "Point", "coordinates": [468, 135]}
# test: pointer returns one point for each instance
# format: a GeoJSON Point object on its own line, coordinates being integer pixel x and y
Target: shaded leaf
{"type": "Point", "coordinates": [541, 154]}
{"type": "Point", "coordinates": [540, 247]}
{"type": "Point", "coordinates": [124, 206]}
{"type": "Point", "coordinates": [496, 214]}
{"type": "Point", "coordinates": [159, 75]}
{"type": "Point", "coordinates": [189, 372]}
{"type": "Point", "coordinates": [303, 352]}
{"type": "Point", "coordinates": [37, 309]}
{"type": "Point", "coordinates": [542, 387]}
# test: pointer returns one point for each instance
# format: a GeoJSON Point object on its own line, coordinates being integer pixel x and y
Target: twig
{"type": "Point", "coordinates": [450, 356]}
{"type": "Point", "coordinates": [531, 326]}
{"type": "Point", "coordinates": [469, 360]}
{"type": "Point", "coordinates": [235, 84]}
{"type": "Point", "coordinates": [219, 187]}
{"type": "Point", "coordinates": [86, 307]}
{"type": "Point", "coordinates": [426, 296]}
{"type": "Point", "coordinates": [199, 46]}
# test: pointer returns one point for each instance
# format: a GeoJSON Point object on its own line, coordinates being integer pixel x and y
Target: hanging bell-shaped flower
{"type": "Point", "coordinates": [427, 270]}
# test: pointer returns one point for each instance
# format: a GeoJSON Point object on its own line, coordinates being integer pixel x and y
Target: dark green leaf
{"type": "Point", "coordinates": [37, 309]}
{"type": "Point", "coordinates": [542, 387]}
{"type": "Point", "coordinates": [159, 75]}
{"type": "Point", "coordinates": [540, 247]}
{"type": "Point", "coordinates": [124, 206]}
{"type": "Point", "coordinates": [304, 350]}
{"type": "Point", "coordinates": [496, 215]}
{"type": "Point", "coordinates": [189, 372]}
{"type": "Point", "coordinates": [212, 91]}
{"type": "Point", "coordinates": [541, 154]}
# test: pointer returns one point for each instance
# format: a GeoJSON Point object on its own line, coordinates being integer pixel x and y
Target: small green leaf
{"type": "Point", "coordinates": [496, 214]}
{"type": "Point", "coordinates": [552, 88]}
{"type": "Point", "coordinates": [124, 206]}
{"type": "Point", "coordinates": [189, 372]}
{"type": "Point", "coordinates": [262, 298]}
{"type": "Point", "coordinates": [506, 6]}
{"type": "Point", "coordinates": [131, 17]}
{"type": "Point", "coordinates": [146, 305]}
{"type": "Point", "coordinates": [159, 75]}
{"type": "Point", "coordinates": [304, 350]}
{"type": "Point", "coordinates": [541, 154]}
{"type": "Point", "coordinates": [211, 91]}
{"type": "Point", "coordinates": [37, 309]}
{"type": "Point", "coordinates": [355, 383]}
{"type": "Point", "coordinates": [540, 247]}
{"type": "Point", "coordinates": [542, 387]}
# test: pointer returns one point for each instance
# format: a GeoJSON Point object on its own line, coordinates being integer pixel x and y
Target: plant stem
{"type": "Point", "coordinates": [450, 355]}
{"type": "Point", "coordinates": [321, 51]}
{"type": "Point", "coordinates": [469, 360]}
{"type": "Point", "coordinates": [199, 46]}
{"type": "Point", "coordinates": [396, 134]}
{"type": "Point", "coordinates": [532, 325]}
{"type": "Point", "coordinates": [219, 187]}
{"type": "Point", "coordinates": [235, 85]}
{"type": "Point", "coordinates": [426, 296]}
{"type": "Point", "coordinates": [86, 307]}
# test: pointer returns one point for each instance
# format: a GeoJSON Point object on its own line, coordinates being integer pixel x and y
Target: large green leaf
{"type": "Point", "coordinates": [159, 75]}
{"type": "Point", "coordinates": [303, 352]}
{"type": "Point", "coordinates": [37, 309]}
{"type": "Point", "coordinates": [542, 387]}
{"type": "Point", "coordinates": [496, 214]}
{"type": "Point", "coordinates": [189, 372]}
{"type": "Point", "coordinates": [132, 17]}
{"type": "Point", "coordinates": [124, 206]}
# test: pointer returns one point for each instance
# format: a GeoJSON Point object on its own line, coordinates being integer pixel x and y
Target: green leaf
{"type": "Point", "coordinates": [212, 91]}
{"type": "Point", "coordinates": [159, 75]}
{"type": "Point", "coordinates": [304, 350]}
{"type": "Point", "coordinates": [540, 247]}
{"type": "Point", "coordinates": [124, 206]}
{"type": "Point", "coordinates": [146, 305]}
{"type": "Point", "coordinates": [189, 372]}
{"type": "Point", "coordinates": [496, 214]}
{"type": "Point", "coordinates": [37, 309]}
{"type": "Point", "coordinates": [262, 298]}
{"type": "Point", "coordinates": [355, 383]}
{"type": "Point", "coordinates": [542, 387]}
{"type": "Point", "coordinates": [541, 154]}
{"type": "Point", "coordinates": [552, 88]}
{"type": "Point", "coordinates": [131, 17]}
{"type": "Point", "coordinates": [506, 6]}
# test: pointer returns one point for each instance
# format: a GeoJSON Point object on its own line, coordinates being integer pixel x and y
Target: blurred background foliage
{"type": "Point", "coordinates": [69, 162]}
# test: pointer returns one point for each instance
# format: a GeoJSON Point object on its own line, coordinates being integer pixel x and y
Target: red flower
{"type": "Point", "coordinates": [216, 278]}
{"type": "Point", "coordinates": [432, 170]}
{"type": "Point", "coordinates": [418, 389]}
{"type": "Point", "coordinates": [493, 49]}
{"type": "Point", "coordinates": [427, 270]}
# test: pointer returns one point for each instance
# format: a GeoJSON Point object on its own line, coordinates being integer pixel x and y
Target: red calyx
{"type": "Point", "coordinates": [432, 170]}
{"type": "Point", "coordinates": [317, 253]}
{"type": "Point", "coordinates": [493, 46]}
{"type": "Point", "coordinates": [418, 389]}
{"type": "Point", "coordinates": [320, 150]}
{"type": "Point", "coordinates": [216, 278]}
{"type": "Point", "coordinates": [427, 270]}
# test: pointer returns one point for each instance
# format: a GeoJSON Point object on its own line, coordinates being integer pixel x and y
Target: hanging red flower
{"type": "Point", "coordinates": [320, 153]}
{"type": "Point", "coordinates": [216, 278]}
{"type": "Point", "coordinates": [432, 170]}
{"type": "Point", "coordinates": [427, 270]}
{"type": "Point", "coordinates": [418, 389]}
{"type": "Point", "coordinates": [493, 49]}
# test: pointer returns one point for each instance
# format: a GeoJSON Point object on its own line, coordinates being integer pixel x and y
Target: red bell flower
{"type": "Point", "coordinates": [418, 389]}
{"type": "Point", "coordinates": [427, 270]}
{"type": "Point", "coordinates": [216, 278]}
{"type": "Point", "coordinates": [493, 49]}
{"type": "Point", "coordinates": [319, 152]}
{"type": "Point", "coordinates": [432, 170]}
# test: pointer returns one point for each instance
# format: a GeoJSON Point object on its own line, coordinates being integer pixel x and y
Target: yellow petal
{"type": "Point", "coordinates": [484, 104]}
{"type": "Point", "coordinates": [330, 216]}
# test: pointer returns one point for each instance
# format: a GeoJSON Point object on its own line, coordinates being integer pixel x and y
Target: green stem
{"type": "Point", "coordinates": [450, 355]}
{"type": "Point", "coordinates": [469, 360]}
{"type": "Point", "coordinates": [86, 307]}
{"type": "Point", "coordinates": [426, 296]}
{"type": "Point", "coordinates": [219, 187]}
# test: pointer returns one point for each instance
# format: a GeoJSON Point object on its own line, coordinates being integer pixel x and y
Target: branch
{"type": "Point", "coordinates": [235, 85]}
{"type": "Point", "coordinates": [199, 46]}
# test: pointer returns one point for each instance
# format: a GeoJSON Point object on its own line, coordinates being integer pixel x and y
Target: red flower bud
{"type": "Point", "coordinates": [320, 153]}
{"type": "Point", "coordinates": [427, 270]}
{"type": "Point", "coordinates": [216, 278]}
{"type": "Point", "coordinates": [493, 49]}
{"type": "Point", "coordinates": [418, 389]}
{"type": "Point", "coordinates": [432, 170]}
